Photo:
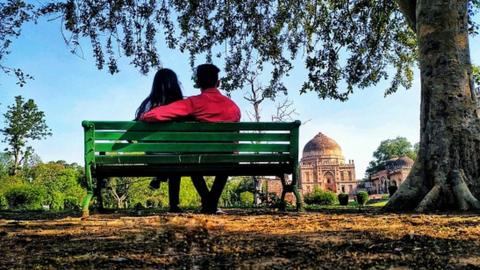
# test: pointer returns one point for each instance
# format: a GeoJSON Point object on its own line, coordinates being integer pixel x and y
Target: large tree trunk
{"type": "Point", "coordinates": [446, 174]}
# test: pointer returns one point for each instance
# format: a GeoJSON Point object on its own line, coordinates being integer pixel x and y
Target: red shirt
{"type": "Point", "coordinates": [209, 106]}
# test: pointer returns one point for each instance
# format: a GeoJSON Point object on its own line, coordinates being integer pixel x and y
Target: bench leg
{"type": "Point", "coordinates": [292, 187]}
{"type": "Point", "coordinates": [86, 204]}
{"type": "Point", "coordinates": [98, 194]}
{"type": "Point", "coordinates": [298, 196]}
{"type": "Point", "coordinates": [88, 197]}
{"type": "Point", "coordinates": [283, 205]}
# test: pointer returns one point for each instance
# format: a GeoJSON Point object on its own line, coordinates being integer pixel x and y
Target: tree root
{"type": "Point", "coordinates": [462, 193]}
{"type": "Point", "coordinates": [430, 200]}
{"type": "Point", "coordinates": [410, 192]}
{"type": "Point", "coordinates": [446, 193]}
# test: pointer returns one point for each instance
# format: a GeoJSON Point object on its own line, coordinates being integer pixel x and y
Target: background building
{"type": "Point", "coordinates": [393, 173]}
{"type": "Point", "coordinates": [323, 165]}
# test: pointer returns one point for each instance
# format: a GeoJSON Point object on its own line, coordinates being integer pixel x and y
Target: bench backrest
{"type": "Point", "coordinates": [129, 142]}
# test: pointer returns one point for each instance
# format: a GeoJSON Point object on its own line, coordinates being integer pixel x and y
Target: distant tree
{"type": "Point", "coordinates": [391, 148]}
{"type": "Point", "coordinates": [119, 189]}
{"type": "Point", "coordinates": [24, 122]}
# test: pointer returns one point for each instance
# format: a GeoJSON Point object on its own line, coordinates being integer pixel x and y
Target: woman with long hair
{"type": "Point", "coordinates": [165, 90]}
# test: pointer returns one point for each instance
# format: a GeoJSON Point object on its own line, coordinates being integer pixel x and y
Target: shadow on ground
{"type": "Point", "coordinates": [242, 239]}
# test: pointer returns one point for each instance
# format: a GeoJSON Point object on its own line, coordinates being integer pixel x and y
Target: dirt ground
{"type": "Point", "coordinates": [241, 239]}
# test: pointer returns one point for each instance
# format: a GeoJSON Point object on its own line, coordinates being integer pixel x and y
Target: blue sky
{"type": "Point", "coordinates": [70, 89]}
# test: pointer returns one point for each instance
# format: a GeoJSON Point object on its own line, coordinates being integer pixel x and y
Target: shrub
{"type": "Point", "coordinates": [246, 198]}
{"type": "Point", "coordinates": [343, 199]}
{"type": "Point", "coordinates": [321, 197]}
{"type": "Point", "coordinates": [3, 202]}
{"type": "Point", "coordinates": [71, 203]}
{"type": "Point", "coordinates": [56, 200]}
{"type": "Point", "coordinates": [25, 197]}
{"type": "Point", "coordinates": [362, 198]}
{"type": "Point", "coordinates": [392, 190]}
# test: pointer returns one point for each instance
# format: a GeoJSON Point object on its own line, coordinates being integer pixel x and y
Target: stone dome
{"type": "Point", "coordinates": [322, 145]}
{"type": "Point", "coordinates": [399, 162]}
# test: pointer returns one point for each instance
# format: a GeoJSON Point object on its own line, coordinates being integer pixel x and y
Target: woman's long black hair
{"type": "Point", "coordinates": [165, 90]}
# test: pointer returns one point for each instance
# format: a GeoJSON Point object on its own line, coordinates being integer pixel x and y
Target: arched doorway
{"type": "Point", "coordinates": [329, 181]}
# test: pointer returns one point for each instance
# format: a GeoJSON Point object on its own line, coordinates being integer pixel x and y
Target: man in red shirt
{"type": "Point", "coordinates": [209, 106]}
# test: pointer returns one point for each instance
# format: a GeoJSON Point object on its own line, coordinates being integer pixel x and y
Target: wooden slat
{"type": "Point", "coordinates": [191, 169]}
{"type": "Point", "coordinates": [190, 147]}
{"type": "Point", "coordinates": [190, 159]}
{"type": "Point", "coordinates": [189, 126]}
{"type": "Point", "coordinates": [191, 136]}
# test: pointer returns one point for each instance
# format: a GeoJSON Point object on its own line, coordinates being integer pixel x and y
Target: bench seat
{"type": "Point", "coordinates": [137, 149]}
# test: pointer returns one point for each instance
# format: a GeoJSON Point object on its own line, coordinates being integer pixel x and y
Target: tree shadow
{"type": "Point", "coordinates": [153, 242]}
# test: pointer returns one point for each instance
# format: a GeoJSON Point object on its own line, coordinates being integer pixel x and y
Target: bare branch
{"type": "Point", "coordinates": [285, 111]}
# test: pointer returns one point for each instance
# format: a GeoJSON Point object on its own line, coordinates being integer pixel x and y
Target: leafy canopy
{"type": "Point", "coordinates": [356, 42]}
{"type": "Point", "coordinates": [391, 148]}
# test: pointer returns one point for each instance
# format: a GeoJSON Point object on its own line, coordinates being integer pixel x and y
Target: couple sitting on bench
{"type": "Point", "coordinates": [166, 103]}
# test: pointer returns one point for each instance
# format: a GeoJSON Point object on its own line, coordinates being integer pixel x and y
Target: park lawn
{"type": "Point", "coordinates": [378, 204]}
{"type": "Point", "coordinates": [241, 239]}
{"type": "Point", "coordinates": [351, 205]}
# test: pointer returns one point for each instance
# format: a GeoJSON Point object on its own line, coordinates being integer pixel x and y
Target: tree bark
{"type": "Point", "coordinates": [446, 174]}
{"type": "Point", "coordinates": [408, 7]}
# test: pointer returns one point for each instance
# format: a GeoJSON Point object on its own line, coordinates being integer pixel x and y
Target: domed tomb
{"type": "Point", "coordinates": [399, 162]}
{"type": "Point", "coordinates": [322, 145]}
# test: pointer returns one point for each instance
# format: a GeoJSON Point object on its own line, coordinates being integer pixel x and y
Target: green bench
{"type": "Point", "coordinates": [136, 149]}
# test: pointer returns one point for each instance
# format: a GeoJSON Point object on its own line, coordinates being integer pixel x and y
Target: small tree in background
{"type": "Point", "coordinates": [343, 199]}
{"type": "Point", "coordinates": [362, 198]}
{"type": "Point", "coordinates": [24, 122]}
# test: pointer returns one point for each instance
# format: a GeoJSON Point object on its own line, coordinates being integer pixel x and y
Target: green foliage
{"type": "Point", "coordinates": [60, 182]}
{"type": "Point", "coordinates": [26, 197]}
{"type": "Point", "coordinates": [391, 148]}
{"type": "Point", "coordinates": [371, 35]}
{"type": "Point", "coordinates": [343, 199]}
{"type": "Point", "coordinates": [3, 202]}
{"type": "Point", "coordinates": [188, 194]}
{"type": "Point", "coordinates": [128, 192]}
{"type": "Point", "coordinates": [321, 197]}
{"type": "Point", "coordinates": [392, 190]}
{"type": "Point", "coordinates": [246, 198]}
{"type": "Point", "coordinates": [55, 184]}
{"type": "Point", "coordinates": [6, 163]}
{"type": "Point", "coordinates": [71, 203]}
{"type": "Point", "coordinates": [476, 77]}
{"type": "Point", "coordinates": [362, 198]}
{"type": "Point", "coordinates": [13, 15]}
{"type": "Point", "coordinates": [231, 194]}
{"type": "Point", "coordinates": [23, 123]}
{"type": "Point", "coordinates": [351, 41]}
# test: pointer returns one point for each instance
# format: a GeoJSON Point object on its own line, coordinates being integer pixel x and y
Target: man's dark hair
{"type": "Point", "coordinates": [207, 76]}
